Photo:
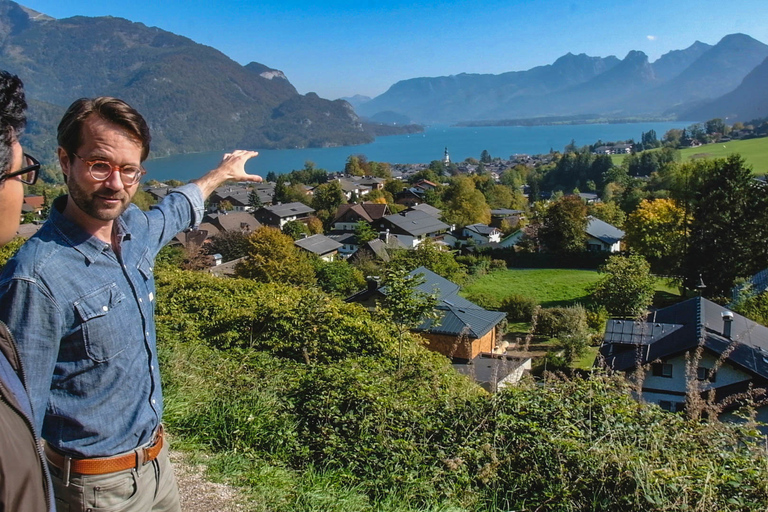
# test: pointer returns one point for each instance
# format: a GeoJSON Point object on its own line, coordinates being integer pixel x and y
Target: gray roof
{"type": "Point", "coordinates": [603, 231]}
{"type": "Point", "coordinates": [482, 229]}
{"type": "Point", "coordinates": [343, 238]}
{"type": "Point", "coordinates": [456, 315]}
{"type": "Point", "coordinates": [755, 285]}
{"type": "Point", "coordinates": [318, 244]}
{"type": "Point", "coordinates": [428, 208]}
{"type": "Point", "coordinates": [679, 328]}
{"type": "Point", "coordinates": [289, 209]}
{"type": "Point", "coordinates": [416, 222]}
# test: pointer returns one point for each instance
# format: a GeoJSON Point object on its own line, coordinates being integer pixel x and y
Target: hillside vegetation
{"type": "Point", "coordinates": [296, 396]}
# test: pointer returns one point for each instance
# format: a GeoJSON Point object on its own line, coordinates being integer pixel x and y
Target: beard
{"type": "Point", "coordinates": [99, 204]}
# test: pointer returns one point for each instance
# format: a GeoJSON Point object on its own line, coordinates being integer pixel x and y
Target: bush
{"type": "Point", "coordinates": [554, 321]}
{"type": "Point", "coordinates": [597, 318]}
{"type": "Point", "coordinates": [518, 308]}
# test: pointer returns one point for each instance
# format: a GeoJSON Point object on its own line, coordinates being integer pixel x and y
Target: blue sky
{"type": "Point", "coordinates": [341, 48]}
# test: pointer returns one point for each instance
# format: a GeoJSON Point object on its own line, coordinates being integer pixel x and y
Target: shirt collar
{"type": "Point", "coordinates": [82, 241]}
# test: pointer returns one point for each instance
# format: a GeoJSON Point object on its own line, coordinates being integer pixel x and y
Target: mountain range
{"type": "Point", "coordinates": [676, 85]}
{"type": "Point", "coordinates": [194, 97]}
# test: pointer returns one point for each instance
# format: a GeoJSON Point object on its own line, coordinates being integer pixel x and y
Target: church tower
{"type": "Point", "coordinates": [446, 157]}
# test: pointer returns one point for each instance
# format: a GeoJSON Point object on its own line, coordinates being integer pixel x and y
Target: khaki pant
{"type": "Point", "coordinates": [150, 488]}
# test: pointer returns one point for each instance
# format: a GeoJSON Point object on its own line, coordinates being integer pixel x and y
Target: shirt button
{"type": "Point", "coordinates": [151, 367]}
{"type": "Point", "coordinates": [105, 308]}
{"type": "Point", "coordinates": [140, 300]}
{"type": "Point", "coordinates": [153, 401]}
{"type": "Point", "coordinates": [147, 333]}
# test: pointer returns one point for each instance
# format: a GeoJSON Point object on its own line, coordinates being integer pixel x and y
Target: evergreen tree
{"type": "Point", "coordinates": [729, 230]}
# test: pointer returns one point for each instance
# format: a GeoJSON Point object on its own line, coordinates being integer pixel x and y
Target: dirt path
{"type": "Point", "coordinates": [197, 493]}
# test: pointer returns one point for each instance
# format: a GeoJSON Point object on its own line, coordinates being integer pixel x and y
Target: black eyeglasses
{"type": "Point", "coordinates": [101, 170]}
{"type": "Point", "coordinates": [27, 174]}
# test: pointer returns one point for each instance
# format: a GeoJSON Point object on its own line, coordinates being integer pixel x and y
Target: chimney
{"type": "Point", "coordinates": [727, 322]}
{"type": "Point", "coordinates": [384, 236]}
{"type": "Point", "coordinates": [373, 283]}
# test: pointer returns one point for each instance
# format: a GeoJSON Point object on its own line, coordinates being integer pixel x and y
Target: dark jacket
{"type": "Point", "coordinates": [25, 485]}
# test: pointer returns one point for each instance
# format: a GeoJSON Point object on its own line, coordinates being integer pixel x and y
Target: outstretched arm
{"type": "Point", "coordinates": [232, 167]}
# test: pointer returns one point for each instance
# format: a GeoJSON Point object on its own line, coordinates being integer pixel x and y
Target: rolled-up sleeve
{"type": "Point", "coordinates": [35, 321]}
{"type": "Point", "coordinates": [181, 209]}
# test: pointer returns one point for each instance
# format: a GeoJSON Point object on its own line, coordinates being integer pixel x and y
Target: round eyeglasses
{"type": "Point", "coordinates": [101, 170]}
{"type": "Point", "coordinates": [27, 174]}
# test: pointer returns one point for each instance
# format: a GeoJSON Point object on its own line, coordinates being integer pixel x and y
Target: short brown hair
{"type": "Point", "coordinates": [109, 109]}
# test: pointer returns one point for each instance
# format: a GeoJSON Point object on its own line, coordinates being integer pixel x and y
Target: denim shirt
{"type": "Point", "coordinates": [83, 318]}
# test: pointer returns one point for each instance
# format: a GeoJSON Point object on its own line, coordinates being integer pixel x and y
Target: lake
{"type": "Point", "coordinates": [462, 142]}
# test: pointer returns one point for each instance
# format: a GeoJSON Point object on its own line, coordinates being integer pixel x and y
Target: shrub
{"type": "Point", "coordinates": [553, 321]}
{"type": "Point", "coordinates": [518, 308]}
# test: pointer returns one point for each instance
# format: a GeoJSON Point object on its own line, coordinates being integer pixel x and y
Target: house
{"type": "Point", "coordinates": [482, 233]}
{"type": "Point", "coordinates": [348, 242]}
{"type": "Point", "coordinates": [755, 285]}
{"type": "Point", "coordinates": [428, 209]}
{"type": "Point", "coordinates": [158, 193]}
{"type": "Point", "coordinates": [494, 372]}
{"type": "Point", "coordinates": [279, 214]}
{"type": "Point", "coordinates": [380, 249]}
{"type": "Point", "coordinates": [462, 330]}
{"type": "Point", "coordinates": [232, 221]}
{"type": "Point", "coordinates": [501, 215]}
{"type": "Point", "coordinates": [320, 245]}
{"type": "Point", "coordinates": [409, 197]}
{"type": "Point", "coordinates": [238, 196]}
{"type": "Point", "coordinates": [602, 236]}
{"type": "Point", "coordinates": [663, 343]}
{"type": "Point", "coordinates": [413, 226]}
{"type": "Point", "coordinates": [348, 215]}
{"type": "Point", "coordinates": [33, 204]}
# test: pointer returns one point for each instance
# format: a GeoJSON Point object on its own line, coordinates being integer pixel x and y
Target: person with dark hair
{"type": "Point", "coordinates": [83, 293]}
{"type": "Point", "coordinates": [24, 481]}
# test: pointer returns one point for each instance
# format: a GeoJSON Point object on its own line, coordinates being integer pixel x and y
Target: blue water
{"type": "Point", "coordinates": [462, 142]}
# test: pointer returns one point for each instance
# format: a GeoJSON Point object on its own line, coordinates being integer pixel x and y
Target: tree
{"type": "Point", "coordinates": [271, 177]}
{"type": "Point", "coordinates": [354, 166]}
{"type": "Point", "coordinates": [295, 229]}
{"type": "Point", "coordinates": [656, 231]}
{"type": "Point", "coordinates": [338, 277]}
{"type": "Point", "coordinates": [273, 258]}
{"type": "Point", "coordinates": [608, 212]}
{"type": "Point", "coordinates": [729, 229]}
{"type": "Point", "coordinates": [328, 196]}
{"type": "Point", "coordinates": [406, 306]}
{"type": "Point", "coordinates": [428, 254]}
{"type": "Point", "coordinates": [254, 200]}
{"type": "Point", "coordinates": [485, 157]}
{"type": "Point", "coordinates": [226, 206]}
{"type": "Point", "coordinates": [364, 233]}
{"type": "Point", "coordinates": [464, 204]}
{"type": "Point", "coordinates": [230, 244]}
{"type": "Point", "coordinates": [564, 228]}
{"type": "Point", "coordinates": [626, 287]}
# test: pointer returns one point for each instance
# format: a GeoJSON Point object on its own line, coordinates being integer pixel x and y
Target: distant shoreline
{"type": "Point", "coordinates": [562, 120]}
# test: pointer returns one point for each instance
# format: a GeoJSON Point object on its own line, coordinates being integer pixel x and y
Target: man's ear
{"type": "Point", "coordinates": [64, 162]}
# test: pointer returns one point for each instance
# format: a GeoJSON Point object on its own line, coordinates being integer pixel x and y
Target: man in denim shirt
{"type": "Point", "coordinates": [79, 297]}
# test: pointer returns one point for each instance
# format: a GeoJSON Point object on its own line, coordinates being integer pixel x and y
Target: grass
{"type": "Point", "coordinates": [754, 151]}
{"type": "Point", "coordinates": [550, 287]}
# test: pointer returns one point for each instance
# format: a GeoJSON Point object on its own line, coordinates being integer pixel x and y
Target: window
{"type": "Point", "coordinates": [662, 370]}
{"type": "Point", "coordinates": [666, 405]}
{"type": "Point", "coordinates": [703, 373]}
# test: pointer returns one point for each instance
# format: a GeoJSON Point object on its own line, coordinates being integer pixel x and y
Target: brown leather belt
{"type": "Point", "coordinates": [104, 465]}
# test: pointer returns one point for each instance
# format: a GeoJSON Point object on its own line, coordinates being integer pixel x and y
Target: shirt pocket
{"type": "Point", "coordinates": [99, 312]}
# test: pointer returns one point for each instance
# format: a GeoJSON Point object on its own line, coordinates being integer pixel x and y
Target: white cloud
{"type": "Point", "coordinates": [651, 38]}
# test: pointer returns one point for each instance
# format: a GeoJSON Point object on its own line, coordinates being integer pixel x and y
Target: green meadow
{"type": "Point", "coordinates": [754, 151]}
{"type": "Point", "coordinates": [549, 286]}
